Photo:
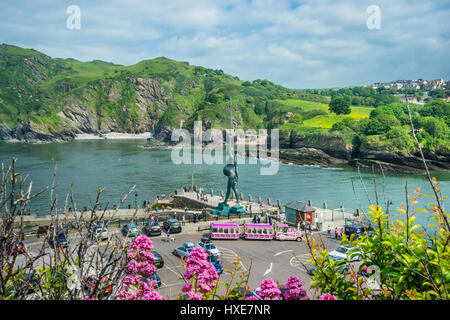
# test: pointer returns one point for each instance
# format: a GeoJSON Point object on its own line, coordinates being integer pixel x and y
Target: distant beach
{"type": "Point", "coordinates": [113, 135]}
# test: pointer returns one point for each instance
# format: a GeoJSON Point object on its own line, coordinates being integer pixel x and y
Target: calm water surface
{"type": "Point", "coordinates": [116, 165]}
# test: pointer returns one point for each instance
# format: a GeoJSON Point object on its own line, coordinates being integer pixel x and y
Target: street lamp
{"type": "Point", "coordinates": [135, 199]}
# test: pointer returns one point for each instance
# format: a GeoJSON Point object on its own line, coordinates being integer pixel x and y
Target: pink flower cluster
{"type": "Point", "coordinates": [327, 296]}
{"type": "Point", "coordinates": [269, 290]}
{"type": "Point", "coordinates": [200, 273]}
{"type": "Point", "coordinates": [294, 290]}
{"type": "Point", "coordinates": [135, 285]}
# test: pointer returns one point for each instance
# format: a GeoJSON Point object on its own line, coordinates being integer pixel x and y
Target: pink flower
{"type": "Point", "coordinates": [294, 290]}
{"type": "Point", "coordinates": [269, 290]}
{"type": "Point", "coordinates": [327, 296]}
{"type": "Point", "coordinates": [136, 285]}
{"type": "Point", "coordinates": [194, 296]}
{"type": "Point", "coordinates": [201, 272]}
{"type": "Point", "coordinates": [187, 287]}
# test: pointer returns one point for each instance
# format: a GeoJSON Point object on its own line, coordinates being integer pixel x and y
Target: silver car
{"type": "Point", "coordinates": [209, 248]}
{"type": "Point", "coordinates": [344, 252]}
{"type": "Point", "coordinates": [184, 250]}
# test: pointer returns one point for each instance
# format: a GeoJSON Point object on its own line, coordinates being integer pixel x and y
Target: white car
{"type": "Point", "coordinates": [100, 233]}
{"type": "Point", "coordinates": [342, 252]}
{"type": "Point", "coordinates": [209, 248]}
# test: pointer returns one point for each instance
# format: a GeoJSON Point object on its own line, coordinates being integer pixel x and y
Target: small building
{"type": "Point", "coordinates": [296, 212]}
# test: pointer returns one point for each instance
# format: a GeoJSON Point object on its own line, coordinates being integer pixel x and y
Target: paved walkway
{"type": "Point", "coordinates": [216, 199]}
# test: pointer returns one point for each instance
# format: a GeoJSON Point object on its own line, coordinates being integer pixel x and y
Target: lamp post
{"type": "Point", "coordinates": [135, 199]}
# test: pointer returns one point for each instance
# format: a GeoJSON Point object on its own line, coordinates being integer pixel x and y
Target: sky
{"type": "Point", "coordinates": [297, 44]}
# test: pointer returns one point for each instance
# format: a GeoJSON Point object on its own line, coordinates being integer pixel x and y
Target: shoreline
{"type": "Point", "coordinates": [113, 136]}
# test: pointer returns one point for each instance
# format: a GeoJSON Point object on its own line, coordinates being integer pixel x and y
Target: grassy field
{"type": "Point", "coordinates": [324, 121]}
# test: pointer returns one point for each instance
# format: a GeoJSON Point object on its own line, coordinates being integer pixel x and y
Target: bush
{"type": "Point", "coordinates": [381, 124]}
{"type": "Point", "coordinates": [339, 105]}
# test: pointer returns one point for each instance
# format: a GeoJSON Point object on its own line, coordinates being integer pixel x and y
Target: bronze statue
{"type": "Point", "coordinates": [230, 170]}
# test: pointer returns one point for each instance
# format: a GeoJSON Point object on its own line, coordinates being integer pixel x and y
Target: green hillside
{"type": "Point", "coordinates": [44, 98]}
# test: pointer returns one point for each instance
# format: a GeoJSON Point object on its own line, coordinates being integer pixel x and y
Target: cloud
{"type": "Point", "coordinates": [299, 44]}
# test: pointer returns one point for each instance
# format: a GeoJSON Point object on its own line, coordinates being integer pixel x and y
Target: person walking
{"type": "Point", "coordinates": [259, 218]}
{"type": "Point", "coordinates": [329, 231]}
{"type": "Point", "coordinates": [336, 232]}
{"type": "Point", "coordinates": [309, 227]}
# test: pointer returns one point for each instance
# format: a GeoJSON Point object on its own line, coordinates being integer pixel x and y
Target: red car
{"type": "Point", "coordinates": [91, 281]}
{"type": "Point", "coordinates": [18, 248]}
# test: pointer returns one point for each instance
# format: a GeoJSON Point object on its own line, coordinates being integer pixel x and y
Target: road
{"type": "Point", "coordinates": [261, 258]}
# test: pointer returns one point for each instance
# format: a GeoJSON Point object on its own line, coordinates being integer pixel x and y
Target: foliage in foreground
{"type": "Point", "coordinates": [404, 261]}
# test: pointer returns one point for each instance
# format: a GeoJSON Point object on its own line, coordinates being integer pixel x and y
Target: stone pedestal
{"type": "Point", "coordinates": [223, 209]}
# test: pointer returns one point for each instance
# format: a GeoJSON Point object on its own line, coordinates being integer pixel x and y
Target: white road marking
{"type": "Point", "coordinates": [281, 252]}
{"type": "Point", "coordinates": [230, 256]}
{"type": "Point", "coordinates": [268, 270]}
{"type": "Point", "coordinates": [300, 260]}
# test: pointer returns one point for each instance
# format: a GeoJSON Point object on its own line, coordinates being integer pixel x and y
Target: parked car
{"type": "Point", "coordinates": [346, 252]}
{"type": "Point", "coordinates": [184, 250]}
{"type": "Point", "coordinates": [156, 278]}
{"type": "Point", "coordinates": [172, 224]}
{"type": "Point", "coordinates": [341, 267]}
{"type": "Point", "coordinates": [158, 261]}
{"type": "Point", "coordinates": [130, 229]}
{"type": "Point", "coordinates": [59, 241]}
{"type": "Point", "coordinates": [209, 248]}
{"type": "Point", "coordinates": [33, 282]}
{"type": "Point", "coordinates": [216, 263]}
{"type": "Point", "coordinates": [206, 240]}
{"type": "Point", "coordinates": [99, 232]}
{"type": "Point", "coordinates": [151, 229]}
{"type": "Point", "coordinates": [104, 287]}
{"type": "Point", "coordinates": [358, 230]}
{"type": "Point", "coordinates": [240, 293]}
{"type": "Point", "coordinates": [18, 248]}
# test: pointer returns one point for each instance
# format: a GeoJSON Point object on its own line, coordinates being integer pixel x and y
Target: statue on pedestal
{"type": "Point", "coordinates": [230, 170]}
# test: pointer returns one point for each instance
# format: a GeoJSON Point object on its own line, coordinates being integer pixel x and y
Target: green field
{"type": "Point", "coordinates": [323, 121]}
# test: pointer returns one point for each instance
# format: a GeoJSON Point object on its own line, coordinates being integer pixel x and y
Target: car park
{"type": "Point", "coordinates": [151, 229]}
{"type": "Point", "coordinates": [346, 252]}
{"type": "Point", "coordinates": [158, 260]}
{"type": "Point", "coordinates": [173, 225]}
{"type": "Point", "coordinates": [130, 230]}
